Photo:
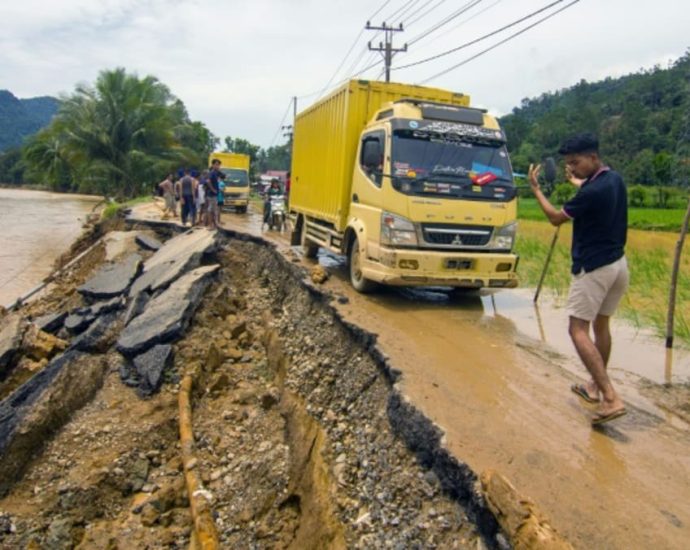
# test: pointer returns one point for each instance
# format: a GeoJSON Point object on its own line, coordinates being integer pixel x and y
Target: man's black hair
{"type": "Point", "coordinates": [580, 143]}
{"type": "Point", "coordinates": [215, 160]}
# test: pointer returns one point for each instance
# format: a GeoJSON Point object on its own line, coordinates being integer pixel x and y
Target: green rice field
{"type": "Point", "coordinates": [650, 256]}
{"type": "Point", "coordinates": [654, 219]}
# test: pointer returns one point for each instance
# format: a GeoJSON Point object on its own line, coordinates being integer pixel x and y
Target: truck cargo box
{"type": "Point", "coordinates": [326, 137]}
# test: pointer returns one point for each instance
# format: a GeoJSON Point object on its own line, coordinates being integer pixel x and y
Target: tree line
{"type": "Point", "coordinates": [641, 120]}
{"type": "Point", "coordinates": [119, 138]}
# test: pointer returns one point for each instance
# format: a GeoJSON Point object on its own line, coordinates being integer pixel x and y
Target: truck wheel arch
{"type": "Point", "coordinates": [356, 231]}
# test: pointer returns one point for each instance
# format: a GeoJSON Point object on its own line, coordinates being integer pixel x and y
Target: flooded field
{"type": "Point", "coordinates": [36, 228]}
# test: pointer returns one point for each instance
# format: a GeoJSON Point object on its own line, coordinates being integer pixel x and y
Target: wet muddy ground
{"type": "Point", "coordinates": [494, 373]}
{"type": "Point", "coordinates": [304, 439]}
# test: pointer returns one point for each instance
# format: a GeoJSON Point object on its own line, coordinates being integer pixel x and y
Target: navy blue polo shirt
{"type": "Point", "coordinates": [599, 212]}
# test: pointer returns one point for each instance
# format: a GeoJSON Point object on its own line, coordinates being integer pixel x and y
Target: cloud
{"type": "Point", "coordinates": [236, 63]}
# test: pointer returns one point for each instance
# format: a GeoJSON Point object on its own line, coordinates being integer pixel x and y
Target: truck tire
{"type": "Point", "coordinates": [358, 281]}
{"type": "Point", "coordinates": [242, 209]}
{"type": "Point", "coordinates": [309, 249]}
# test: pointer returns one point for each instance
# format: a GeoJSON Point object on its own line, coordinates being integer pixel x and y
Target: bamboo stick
{"type": "Point", "coordinates": [674, 278]}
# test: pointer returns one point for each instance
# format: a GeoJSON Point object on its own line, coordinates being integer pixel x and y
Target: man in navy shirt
{"type": "Point", "coordinates": [599, 212]}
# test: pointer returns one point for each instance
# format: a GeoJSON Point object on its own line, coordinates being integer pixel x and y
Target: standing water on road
{"type": "Point", "coordinates": [37, 227]}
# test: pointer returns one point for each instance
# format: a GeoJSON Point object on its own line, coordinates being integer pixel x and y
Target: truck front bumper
{"type": "Point", "coordinates": [402, 267]}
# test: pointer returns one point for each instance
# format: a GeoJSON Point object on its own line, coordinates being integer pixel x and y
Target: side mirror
{"type": "Point", "coordinates": [371, 153]}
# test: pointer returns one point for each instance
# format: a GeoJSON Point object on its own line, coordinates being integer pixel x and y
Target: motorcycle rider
{"type": "Point", "coordinates": [273, 191]}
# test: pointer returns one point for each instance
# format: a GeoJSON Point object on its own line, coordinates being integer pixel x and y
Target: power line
{"type": "Point", "coordinates": [484, 37]}
{"type": "Point", "coordinates": [280, 126]}
{"type": "Point", "coordinates": [349, 51]}
{"type": "Point", "coordinates": [413, 21]}
{"type": "Point", "coordinates": [472, 58]}
{"type": "Point", "coordinates": [466, 7]}
{"type": "Point", "coordinates": [461, 23]}
{"type": "Point", "coordinates": [404, 12]}
{"type": "Point", "coordinates": [396, 12]}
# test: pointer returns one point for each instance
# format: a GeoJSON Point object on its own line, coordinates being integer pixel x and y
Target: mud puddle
{"type": "Point", "coordinates": [479, 367]}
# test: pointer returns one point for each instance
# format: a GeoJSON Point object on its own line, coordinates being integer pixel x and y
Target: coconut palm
{"type": "Point", "coordinates": [122, 133]}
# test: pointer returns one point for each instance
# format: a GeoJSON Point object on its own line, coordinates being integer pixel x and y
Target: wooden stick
{"type": "Point", "coordinates": [546, 263]}
{"type": "Point", "coordinates": [674, 278]}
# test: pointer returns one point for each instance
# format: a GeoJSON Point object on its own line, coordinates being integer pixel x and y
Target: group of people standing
{"type": "Point", "coordinates": [200, 195]}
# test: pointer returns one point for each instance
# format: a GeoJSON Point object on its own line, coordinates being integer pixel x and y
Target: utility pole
{"type": "Point", "coordinates": [386, 47]}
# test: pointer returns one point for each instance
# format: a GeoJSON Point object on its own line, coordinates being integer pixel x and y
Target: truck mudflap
{"type": "Point", "coordinates": [401, 267]}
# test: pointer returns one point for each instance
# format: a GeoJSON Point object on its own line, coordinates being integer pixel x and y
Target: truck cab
{"type": "Point", "coordinates": [433, 199]}
{"type": "Point", "coordinates": [235, 166]}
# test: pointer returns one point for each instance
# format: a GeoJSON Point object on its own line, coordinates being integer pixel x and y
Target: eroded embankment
{"type": "Point", "coordinates": [302, 440]}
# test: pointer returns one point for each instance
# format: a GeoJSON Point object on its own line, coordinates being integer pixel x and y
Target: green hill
{"type": "Point", "coordinates": [639, 119]}
{"type": "Point", "coordinates": [20, 118]}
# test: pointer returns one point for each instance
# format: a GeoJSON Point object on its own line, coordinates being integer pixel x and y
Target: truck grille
{"type": "Point", "coordinates": [456, 236]}
{"type": "Point", "coordinates": [233, 195]}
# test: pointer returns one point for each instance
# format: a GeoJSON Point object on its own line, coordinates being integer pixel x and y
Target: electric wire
{"type": "Point", "coordinates": [463, 9]}
{"type": "Point", "coordinates": [476, 40]}
{"type": "Point", "coordinates": [413, 19]}
{"type": "Point", "coordinates": [400, 9]}
{"type": "Point", "coordinates": [403, 13]}
{"type": "Point", "coordinates": [280, 126]}
{"type": "Point", "coordinates": [494, 46]}
{"type": "Point", "coordinates": [460, 24]}
{"type": "Point", "coordinates": [352, 47]}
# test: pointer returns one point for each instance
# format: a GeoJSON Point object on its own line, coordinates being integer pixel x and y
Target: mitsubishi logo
{"type": "Point", "coordinates": [457, 240]}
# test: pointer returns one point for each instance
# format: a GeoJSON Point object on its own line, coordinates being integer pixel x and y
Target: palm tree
{"type": "Point", "coordinates": [123, 133]}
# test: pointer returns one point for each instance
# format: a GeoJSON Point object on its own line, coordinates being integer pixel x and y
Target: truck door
{"type": "Point", "coordinates": [366, 186]}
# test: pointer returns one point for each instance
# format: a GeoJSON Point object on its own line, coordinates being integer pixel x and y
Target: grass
{"type": "Point", "coordinates": [655, 219]}
{"type": "Point", "coordinates": [114, 207]}
{"type": "Point", "coordinates": [649, 258]}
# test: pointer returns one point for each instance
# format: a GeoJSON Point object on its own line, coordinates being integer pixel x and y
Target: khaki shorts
{"type": "Point", "coordinates": [598, 292]}
{"type": "Point", "coordinates": [212, 207]}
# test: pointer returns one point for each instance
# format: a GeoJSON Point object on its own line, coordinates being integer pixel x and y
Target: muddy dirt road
{"type": "Point", "coordinates": [478, 367]}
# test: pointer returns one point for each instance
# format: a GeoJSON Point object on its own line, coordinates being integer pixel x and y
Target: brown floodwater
{"type": "Point", "coordinates": [36, 227]}
{"type": "Point", "coordinates": [494, 372]}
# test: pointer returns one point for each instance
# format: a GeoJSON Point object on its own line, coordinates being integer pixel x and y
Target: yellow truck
{"type": "Point", "coordinates": [412, 184]}
{"type": "Point", "coordinates": [235, 166]}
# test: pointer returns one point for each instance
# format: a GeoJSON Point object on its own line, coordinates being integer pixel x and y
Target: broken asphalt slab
{"type": "Point", "coordinates": [166, 316]}
{"type": "Point", "coordinates": [177, 256]}
{"type": "Point", "coordinates": [41, 406]}
{"type": "Point", "coordinates": [151, 365]}
{"type": "Point", "coordinates": [147, 243]}
{"type": "Point", "coordinates": [10, 339]}
{"type": "Point", "coordinates": [112, 280]}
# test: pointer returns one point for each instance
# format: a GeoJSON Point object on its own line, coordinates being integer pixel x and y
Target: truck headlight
{"type": "Point", "coordinates": [504, 237]}
{"type": "Point", "coordinates": [397, 231]}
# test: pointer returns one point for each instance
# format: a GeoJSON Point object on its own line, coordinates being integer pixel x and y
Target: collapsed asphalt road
{"type": "Point", "coordinates": [301, 439]}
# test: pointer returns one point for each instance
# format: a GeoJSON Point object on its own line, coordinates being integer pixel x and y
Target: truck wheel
{"type": "Point", "coordinates": [309, 249]}
{"type": "Point", "coordinates": [242, 209]}
{"type": "Point", "coordinates": [359, 282]}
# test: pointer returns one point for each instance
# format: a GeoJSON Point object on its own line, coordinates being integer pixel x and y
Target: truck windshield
{"type": "Point", "coordinates": [423, 164]}
{"type": "Point", "coordinates": [235, 177]}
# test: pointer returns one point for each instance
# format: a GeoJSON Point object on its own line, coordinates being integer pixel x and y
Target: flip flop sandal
{"type": "Point", "coordinates": [581, 391]}
{"type": "Point", "coordinates": [603, 418]}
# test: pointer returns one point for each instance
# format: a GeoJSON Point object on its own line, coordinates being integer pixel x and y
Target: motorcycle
{"type": "Point", "coordinates": [278, 215]}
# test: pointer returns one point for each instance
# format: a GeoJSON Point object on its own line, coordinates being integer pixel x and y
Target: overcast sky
{"type": "Point", "coordinates": [236, 64]}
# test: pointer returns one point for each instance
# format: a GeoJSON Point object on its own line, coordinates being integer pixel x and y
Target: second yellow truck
{"type": "Point", "coordinates": [413, 185]}
{"type": "Point", "coordinates": [235, 166]}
